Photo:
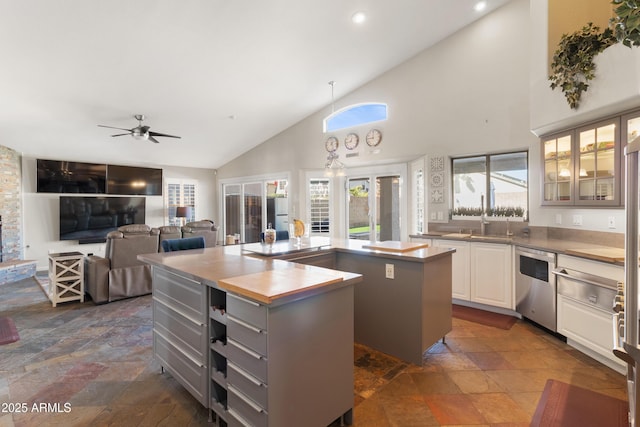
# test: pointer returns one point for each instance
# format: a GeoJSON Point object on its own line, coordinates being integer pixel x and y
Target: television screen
{"type": "Point", "coordinates": [55, 176]}
{"type": "Point", "coordinates": [134, 180]}
{"type": "Point", "coordinates": [89, 219]}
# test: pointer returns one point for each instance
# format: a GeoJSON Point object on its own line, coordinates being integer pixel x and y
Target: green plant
{"type": "Point", "coordinates": [573, 65]}
{"type": "Point", "coordinates": [626, 23]}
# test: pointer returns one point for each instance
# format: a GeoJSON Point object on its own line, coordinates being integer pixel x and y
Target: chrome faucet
{"type": "Point", "coordinates": [483, 221]}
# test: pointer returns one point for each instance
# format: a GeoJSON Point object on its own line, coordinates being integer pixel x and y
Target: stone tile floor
{"type": "Point", "coordinates": [80, 364]}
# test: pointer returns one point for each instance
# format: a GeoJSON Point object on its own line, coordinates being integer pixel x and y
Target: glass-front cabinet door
{"type": "Point", "coordinates": [598, 166]}
{"type": "Point", "coordinates": [558, 165]}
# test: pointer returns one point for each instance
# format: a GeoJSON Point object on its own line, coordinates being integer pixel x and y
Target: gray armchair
{"type": "Point", "coordinates": [205, 228]}
{"type": "Point", "coordinates": [119, 274]}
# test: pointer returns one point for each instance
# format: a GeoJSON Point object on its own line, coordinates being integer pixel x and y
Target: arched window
{"type": "Point", "coordinates": [355, 115]}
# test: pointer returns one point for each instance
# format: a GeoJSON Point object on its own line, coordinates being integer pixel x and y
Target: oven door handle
{"type": "Point", "coordinates": [562, 272]}
{"type": "Point", "coordinates": [618, 349]}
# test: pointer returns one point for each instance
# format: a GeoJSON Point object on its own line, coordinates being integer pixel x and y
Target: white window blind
{"type": "Point", "coordinates": [319, 207]}
{"type": "Point", "coordinates": [180, 194]}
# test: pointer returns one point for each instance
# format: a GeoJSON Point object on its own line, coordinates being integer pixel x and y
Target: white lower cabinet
{"type": "Point", "coordinates": [482, 272]}
{"type": "Point", "coordinates": [585, 311]}
{"type": "Point", "coordinates": [460, 283]}
{"type": "Point", "coordinates": [492, 274]}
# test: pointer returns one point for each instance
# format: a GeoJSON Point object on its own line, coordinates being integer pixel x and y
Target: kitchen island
{"type": "Point", "coordinates": [403, 304]}
{"type": "Point", "coordinates": [270, 336]}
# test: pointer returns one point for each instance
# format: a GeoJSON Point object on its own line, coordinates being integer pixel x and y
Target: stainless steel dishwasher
{"type": "Point", "coordinates": [536, 286]}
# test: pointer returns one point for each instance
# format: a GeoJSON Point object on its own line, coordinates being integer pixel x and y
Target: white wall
{"type": "Point", "coordinates": [469, 94]}
{"type": "Point", "coordinates": [41, 212]}
{"type": "Point", "coordinates": [482, 90]}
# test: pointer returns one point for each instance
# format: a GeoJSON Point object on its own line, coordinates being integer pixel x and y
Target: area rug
{"type": "Point", "coordinates": [483, 317]}
{"type": "Point", "coordinates": [566, 405]}
{"type": "Point", "coordinates": [8, 331]}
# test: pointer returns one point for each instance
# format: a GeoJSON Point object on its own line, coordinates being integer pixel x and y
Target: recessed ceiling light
{"type": "Point", "coordinates": [358, 17]}
{"type": "Point", "coordinates": [480, 6]}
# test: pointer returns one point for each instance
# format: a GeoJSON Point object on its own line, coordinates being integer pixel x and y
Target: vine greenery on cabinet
{"type": "Point", "coordinates": [626, 23]}
{"type": "Point", "coordinates": [573, 65]}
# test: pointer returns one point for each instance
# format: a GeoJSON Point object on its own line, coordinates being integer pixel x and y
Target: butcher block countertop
{"type": "Point", "coordinates": [267, 286]}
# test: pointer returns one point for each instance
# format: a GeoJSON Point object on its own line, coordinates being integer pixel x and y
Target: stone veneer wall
{"type": "Point", "coordinates": [11, 203]}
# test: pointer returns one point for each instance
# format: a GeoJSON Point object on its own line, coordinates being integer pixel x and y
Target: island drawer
{"type": "Point", "coordinates": [247, 409]}
{"type": "Point", "coordinates": [246, 310]}
{"type": "Point", "coordinates": [247, 359]}
{"type": "Point", "coordinates": [189, 372]}
{"type": "Point", "coordinates": [183, 332]}
{"type": "Point", "coordinates": [251, 336]}
{"type": "Point", "coordinates": [180, 293]}
{"type": "Point", "coordinates": [253, 388]}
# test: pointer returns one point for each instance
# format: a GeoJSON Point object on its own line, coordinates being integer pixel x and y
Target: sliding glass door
{"type": "Point", "coordinates": [249, 207]}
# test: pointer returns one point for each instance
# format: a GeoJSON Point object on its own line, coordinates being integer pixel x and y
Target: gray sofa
{"type": "Point", "coordinates": [119, 274]}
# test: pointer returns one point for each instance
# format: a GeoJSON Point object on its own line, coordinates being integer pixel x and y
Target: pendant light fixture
{"type": "Point", "coordinates": [333, 166]}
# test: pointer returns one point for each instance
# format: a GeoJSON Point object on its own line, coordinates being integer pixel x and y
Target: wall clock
{"type": "Point", "coordinates": [331, 144]}
{"type": "Point", "coordinates": [351, 141]}
{"type": "Point", "coordinates": [373, 138]}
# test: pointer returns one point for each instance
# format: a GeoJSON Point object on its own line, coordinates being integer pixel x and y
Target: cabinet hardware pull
{"type": "Point", "coordinates": [194, 361]}
{"type": "Point", "coordinates": [245, 349]}
{"type": "Point", "coordinates": [238, 417]}
{"type": "Point", "coordinates": [244, 374]}
{"type": "Point", "coordinates": [246, 400]}
{"type": "Point", "coordinates": [180, 312]}
{"type": "Point", "coordinates": [245, 324]}
{"type": "Point", "coordinates": [244, 300]}
{"type": "Point", "coordinates": [195, 282]}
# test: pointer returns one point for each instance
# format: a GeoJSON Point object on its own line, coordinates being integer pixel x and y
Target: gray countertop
{"type": "Point", "coordinates": [558, 246]}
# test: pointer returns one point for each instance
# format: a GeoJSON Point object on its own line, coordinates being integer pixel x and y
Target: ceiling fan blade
{"type": "Point", "coordinates": [152, 139]}
{"type": "Point", "coordinates": [163, 134]}
{"type": "Point", "coordinates": [122, 134]}
{"type": "Point", "coordinates": [111, 127]}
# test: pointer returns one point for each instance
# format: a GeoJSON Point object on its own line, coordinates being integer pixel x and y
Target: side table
{"type": "Point", "coordinates": [66, 278]}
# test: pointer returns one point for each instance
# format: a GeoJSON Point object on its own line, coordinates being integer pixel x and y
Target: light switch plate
{"type": "Point", "coordinates": [577, 220]}
{"type": "Point", "coordinates": [389, 271]}
{"type": "Point", "coordinates": [611, 222]}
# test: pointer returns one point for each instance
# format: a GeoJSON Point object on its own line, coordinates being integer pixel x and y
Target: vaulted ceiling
{"type": "Point", "coordinates": [225, 75]}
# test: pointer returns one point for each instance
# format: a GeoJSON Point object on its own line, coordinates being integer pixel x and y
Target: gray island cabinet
{"type": "Point", "coordinates": [263, 341]}
{"type": "Point", "coordinates": [259, 342]}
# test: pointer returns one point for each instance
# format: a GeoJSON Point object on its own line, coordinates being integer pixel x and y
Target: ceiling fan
{"type": "Point", "coordinates": [140, 132]}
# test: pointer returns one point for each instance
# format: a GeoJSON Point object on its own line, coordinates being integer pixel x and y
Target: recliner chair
{"type": "Point", "coordinates": [205, 228]}
{"type": "Point", "coordinates": [168, 232]}
{"type": "Point", "coordinates": [119, 274]}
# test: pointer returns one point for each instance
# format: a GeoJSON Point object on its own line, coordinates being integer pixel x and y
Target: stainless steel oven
{"type": "Point", "coordinates": [536, 286]}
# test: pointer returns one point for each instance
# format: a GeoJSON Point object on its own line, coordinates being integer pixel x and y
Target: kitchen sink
{"type": "Point", "coordinates": [458, 235]}
{"type": "Point", "coordinates": [488, 237]}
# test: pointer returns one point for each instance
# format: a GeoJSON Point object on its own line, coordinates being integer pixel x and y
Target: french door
{"type": "Point", "coordinates": [374, 207]}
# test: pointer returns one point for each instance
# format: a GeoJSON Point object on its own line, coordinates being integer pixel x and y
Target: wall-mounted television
{"type": "Point", "coordinates": [55, 176]}
{"type": "Point", "coordinates": [89, 219]}
{"type": "Point", "coordinates": [134, 180]}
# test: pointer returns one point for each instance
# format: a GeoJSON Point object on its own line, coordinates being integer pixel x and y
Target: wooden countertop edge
{"type": "Point", "coordinates": [295, 294]}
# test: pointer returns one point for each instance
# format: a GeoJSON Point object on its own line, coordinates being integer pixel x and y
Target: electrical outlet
{"type": "Point", "coordinates": [611, 222]}
{"type": "Point", "coordinates": [577, 220]}
{"type": "Point", "coordinates": [389, 271]}
{"type": "Point", "coordinates": [558, 218]}
{"type": "Point", "coordinates": [440, 216]}
{"type": "Point", "coordinates": [433, 216]}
